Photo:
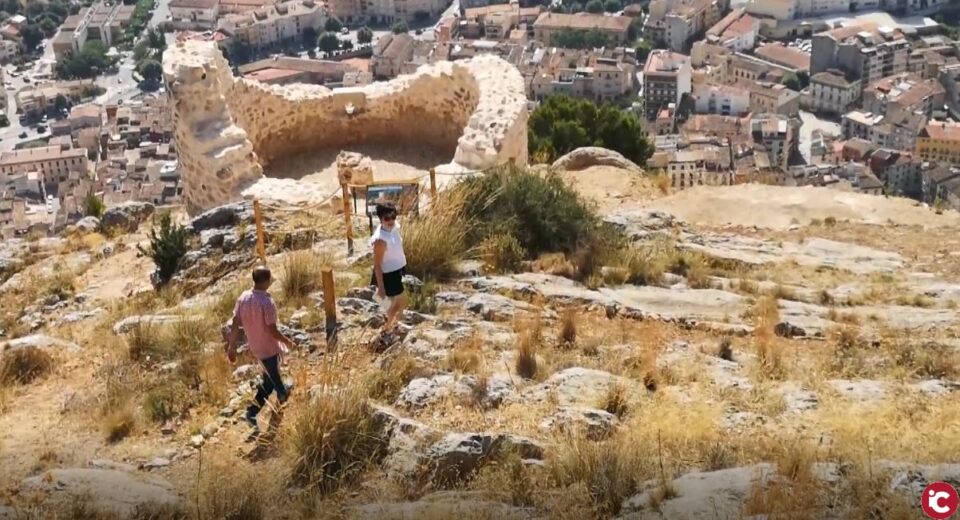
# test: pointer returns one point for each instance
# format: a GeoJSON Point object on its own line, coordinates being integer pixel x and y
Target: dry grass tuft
{"type": "Point", "coordinates": [725, 350]}
{"type": "Point", "coordinates": [529, 338]}
{"type": "Point", "coordinates": [467, 356]}
{"type": "Point", "coordinates": [436, 241]}
{"type": "Point", "coordinates": [929, 359]}
{"type": "Point", "coordinates": [616, 401]}
{"type": "Point", "coordinates": [608, 475]}
{"type": "Point", "coordinates": [393, 375]}
{"type": "Point", "coordinates": [568, 327]}
{"type": "Point", "coordinates": [118, 423]}
{"type": "Point", "coordinates": [231, 491]}
{"type": "Point", "coordinates": [24, 365]}
{"type": "Point", "coordinates": [766, 315]}
{"type": "Point", "coordinates": [302, 274]}
{"type": "Point", "coordinates": [795, 491]}
{"type": "Point", "coordinates": [332, 440]}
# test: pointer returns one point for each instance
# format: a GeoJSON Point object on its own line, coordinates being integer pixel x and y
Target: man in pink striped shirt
{"type": "Point", "coordinates": [257, 314]}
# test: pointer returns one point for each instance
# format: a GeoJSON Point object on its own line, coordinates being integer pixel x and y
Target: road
{"type": "Point", "coordinates": [160, 13]}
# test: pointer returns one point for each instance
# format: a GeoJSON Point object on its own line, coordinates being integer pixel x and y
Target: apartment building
{"type": "Point", "coordinates": [548, 24]}
{"type": "Point", "coordinates": [865, 51]}
{"type": "Point", "coordinates": [771, 98]}
{"type": "Point", "coordinates": [939, 141]}
{"type": "Point", "coordinates": [778, 135]}
{"type": "Point", "coordinates": [53, 163]}
{"type": "Point", "coordinates": [737, 31]}
{"type": "Point", "coordinates": [666, 78]}
{"type": "Point", "coordinates": [202, 13]}
{"type": "Point", "coordinates": [39, 98]}
{"type": "Point", "coordinates": [495, 22]}
{"type": "Point", "coordinates": [898, 133]}
{"type": "Point", "coordinates": [694, 162]}
{"type": "Point", "coordinates": [273, 25]}
{"type": "Point", "coordinates": [579, 73]}
{"type": "Point", "coordinates": [898, 95]}
{"type": "Point", "coordinates": [678, 23]}
{"type": "Point", "coordinates": [103, 22]}
{"type": "Point", "coordinates": [385, 11]}
{"type": "Point", "coordinates": [725, 100]}
{"type": "Point", "coordinates": [831, 93]}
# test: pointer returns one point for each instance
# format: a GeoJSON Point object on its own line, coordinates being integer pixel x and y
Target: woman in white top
{"type": "Point", "coordinates": [389, 263]}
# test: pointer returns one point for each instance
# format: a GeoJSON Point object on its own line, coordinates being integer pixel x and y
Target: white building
{"type": "Point", "coordinates": [199, 12]}
{"type": "Point", "coordinates": [831, 93]}
{"type": "Point", "coordinates": [275, 24]}
{"type": "Point", "coordinates": [721, 99]}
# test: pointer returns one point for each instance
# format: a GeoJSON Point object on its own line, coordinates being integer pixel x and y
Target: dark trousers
{"type": "Point", "coordinates": [269, 383]}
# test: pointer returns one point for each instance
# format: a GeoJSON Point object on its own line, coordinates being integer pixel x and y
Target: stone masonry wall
{"type": "Point", "coordinates": [228, 129]}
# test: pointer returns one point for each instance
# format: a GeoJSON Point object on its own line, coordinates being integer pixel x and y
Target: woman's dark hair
{"type": "Point", "coordinates": [386, 209]}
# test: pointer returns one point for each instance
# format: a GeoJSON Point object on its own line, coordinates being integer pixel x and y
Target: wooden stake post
{"type": "Point", "coordinates": [347, 220]}
{"type": "Point", "coordinates": [433, 185]}
{"type": "Point", "coordinates": [330, 307]}
{"type": "Point", "coordinates": [258, 217]}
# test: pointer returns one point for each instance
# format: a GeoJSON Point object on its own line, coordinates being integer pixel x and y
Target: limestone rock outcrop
{"type": "Point", "coordinates": [228, 129]}
{"type": "Point", "coordinates": [354, 168]}
{"type": "Point", "coordinates": [588, 156]}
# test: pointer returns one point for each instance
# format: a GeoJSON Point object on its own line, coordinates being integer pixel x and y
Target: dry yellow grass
{"type": "Point", "coordinates": [24, 365]}
{"type": "Point", "coordinates": [766, 347]}
{"type": "Point", "coordinates": [529, 338]}
{"type": "Point", "coordinates": [301, 274]}
{"type": "Point", "coordinates": [568, 327]}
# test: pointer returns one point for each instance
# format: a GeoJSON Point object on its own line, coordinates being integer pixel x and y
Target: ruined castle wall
{"type": "Point", "coordinates": [424, 110]}
{"type": "Point", "coordinates": [228, 129]}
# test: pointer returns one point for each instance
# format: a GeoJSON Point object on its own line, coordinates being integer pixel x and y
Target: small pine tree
{"type": "Point", "coordinates": [168, 246]}
{"type": "Point", "coordinates": [94, 206]}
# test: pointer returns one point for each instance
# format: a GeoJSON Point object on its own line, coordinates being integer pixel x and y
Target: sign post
{"type": "Point", "coordinates": [433, 185]}
{"type": "Point", "coordinates": [347, 220]}
{"type": "Point", "coordinates": [258, 217]}
{"type": "Point", "coordinates": [330, 308]}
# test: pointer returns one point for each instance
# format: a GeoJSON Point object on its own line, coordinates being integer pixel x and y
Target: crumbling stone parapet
{"type": "Point", "coordinates": [228, 129]}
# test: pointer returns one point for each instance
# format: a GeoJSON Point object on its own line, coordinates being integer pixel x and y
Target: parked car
{"type": "Point", "coordinates": [23, 135]}
{"type": "Point", "coordinates": [344, 31]}
{"type": "Point", "coordinates": [41, 129]}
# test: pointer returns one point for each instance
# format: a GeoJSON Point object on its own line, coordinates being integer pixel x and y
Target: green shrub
{"type": "Point", "coordinates": [502, 253]}
{"type": "Point", "coordinates": [543, 213]}
{"type": "Point", "coordinates": [168, 245]}
{"type": "Point", "coordinates": [166, 401]}
{"type": "Point", "coordinates": [423, 299]}
{"type": "Point", "coordinates": [561, 124]}
{"type": "Point", "coordinates": [94, 206]}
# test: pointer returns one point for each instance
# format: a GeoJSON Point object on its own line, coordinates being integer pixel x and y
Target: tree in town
{"type": "Point", "coordinates": [804, 78]}
{"type": "Point", "coordinates": [611, 6]}
{"type": "Point", "coordinates": [150, 69]}
{"type": "Point", "coordinates": [791, 81]}
{"type": "Point", "coordinates": [346, 45]}
{"type": "Point", "coordinates": [332, 25]}
{"type": "Point", "coordinates": [4, 120]}
{"type": "Point", "coordinates": [328, 42]}
{"type": "Point", "coordinates": [399, 26]}
{"type": "Point", "coordinates": [91, 61]}
{"type": "Point", "coordinates": [156, 40]}
{"type": "Point", "coordinates": [152, 72]}
{"type": "Point", "coordinates": [32, 35]}
{"type": "Point", "coordinates": [595, 6]}
{"type": "Point", "coordinates": [48, 26]}
{"type": "Point", "coordinates": [365, 35]}
{"type": "Point", "coordinates": [61, 103]}
{"type": "Point", "coordinates": [643, 48]}
{"type": "Point", "coordinates": [561, 124]}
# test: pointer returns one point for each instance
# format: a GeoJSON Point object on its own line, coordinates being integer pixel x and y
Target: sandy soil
{"type": "Point", "coordinates": [776, 207]}
{"type": "Point", "coordinates": [102, 283]}
{"type": "Point", "coordinates": [611, 188]}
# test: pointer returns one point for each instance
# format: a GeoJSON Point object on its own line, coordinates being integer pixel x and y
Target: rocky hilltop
{"type": "Point", "coordinates": [764, 352]}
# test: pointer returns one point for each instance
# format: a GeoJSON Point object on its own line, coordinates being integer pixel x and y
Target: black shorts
{"type": "Point", "coordinates": [392, 282]}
